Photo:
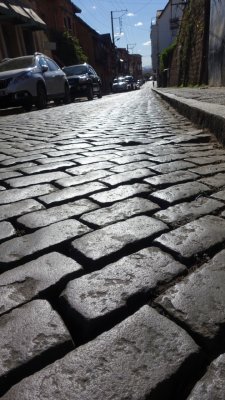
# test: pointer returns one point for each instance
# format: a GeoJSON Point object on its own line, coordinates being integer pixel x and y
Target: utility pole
{"type": "Point", "coordinates": [113, 37]}
{"type": "Point", "coordinates": [112, 18]}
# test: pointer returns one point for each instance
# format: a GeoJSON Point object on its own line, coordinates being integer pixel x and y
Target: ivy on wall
{"type": "Point", "coordinates": [68, 49]}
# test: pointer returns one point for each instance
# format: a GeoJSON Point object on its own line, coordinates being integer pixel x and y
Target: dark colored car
{"type": "Point", "coordinates": [83, 81]}
{"type": "Point", "coordinates": [130, 79]}
{"type": "Point", "coordinates": [33, 79]}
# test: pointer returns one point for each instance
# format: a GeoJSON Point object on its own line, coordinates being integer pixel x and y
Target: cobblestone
{"type": "Point", "coordinates": [17, 248]}
{"type": "Point", "coordinates": [119, 237]}
{"type": "Point", "coordinates": [112, 238]}
{"type": "Point", "coordinates": [194, 237]}
{"type": "Point", "coordinates": [120, 211]}
{"type": "Point", "coordinates": [186, 301]}
{"type": "Point", "coordinates": [30, 280]}
{"type": "Point", "coordinates": [127, 362]}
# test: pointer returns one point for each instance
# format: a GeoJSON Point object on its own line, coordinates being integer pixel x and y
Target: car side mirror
{"type": "Point", "coordinates": [44, 68]}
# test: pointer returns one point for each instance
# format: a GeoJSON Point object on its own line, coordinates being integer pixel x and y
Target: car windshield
{"type": "Point", "coordinates": [17, 63]}
{"type": "Point", "coordinates": [75, 70]}
{"type": "Point", "coordinates": [119, 80]}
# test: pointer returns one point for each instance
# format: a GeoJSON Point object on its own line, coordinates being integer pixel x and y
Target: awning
{"type": "Point", "coordinates": [21, 14]}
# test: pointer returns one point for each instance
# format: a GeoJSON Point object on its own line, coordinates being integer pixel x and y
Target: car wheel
{"type": "Point", "coordinates": [41, 97]}
{"type": "Point", "coordinates": [67, 99]}
{"type": "Point", "coordinates": [27, 106]}
{"type": "Point", "coordinates": [99, 93]}
{"type": "Point", "coordinates": [90, 95]}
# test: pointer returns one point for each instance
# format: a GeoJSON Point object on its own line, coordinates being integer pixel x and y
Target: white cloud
{"type": "Point", "coordinates": [119, 34]}
{"type": "Point", "coordinates": [130, 14]}
{"type": "Point", "coordinates": [94, 7]}
{"type": "Point", "coordinates": [138, 24]}
{"type": "Point", "coordinates": [147, 43]}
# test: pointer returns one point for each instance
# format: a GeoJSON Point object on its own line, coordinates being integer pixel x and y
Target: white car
{"type": "Point", "coordinates": [29, 80]}
{"type": "Point", "coordinates": [120, 84]}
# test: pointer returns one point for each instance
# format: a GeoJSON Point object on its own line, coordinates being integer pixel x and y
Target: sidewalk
{"type": "Point", "coordinates": [203, 106]}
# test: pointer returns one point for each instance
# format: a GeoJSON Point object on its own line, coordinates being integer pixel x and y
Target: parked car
{"type": "Point", "coordinates": [120, 84]}
{"type": "Point", "coordinates": [130, 79]}
{"type": "Point", "coordinates": [83, 81]}
{"type": "Point", "coordinates": [33, 79]}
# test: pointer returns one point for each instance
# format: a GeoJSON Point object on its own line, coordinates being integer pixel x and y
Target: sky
{"type": "Point", "coordinates": [131, 21]}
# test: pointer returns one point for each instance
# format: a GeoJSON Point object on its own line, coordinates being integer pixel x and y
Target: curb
{"type": "Point", "coordinates": [205, 115]}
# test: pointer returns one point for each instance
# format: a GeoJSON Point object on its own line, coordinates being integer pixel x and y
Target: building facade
{"type": "Point", "coordinates": [216, 62]}
{"type": "Point", "coordinates": [164, 29]}
{"type": "Point", "coordinates": [22, 31]}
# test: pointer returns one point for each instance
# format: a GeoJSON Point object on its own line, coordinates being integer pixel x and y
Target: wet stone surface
{"type": "Point", "coordinates": [108, 208]}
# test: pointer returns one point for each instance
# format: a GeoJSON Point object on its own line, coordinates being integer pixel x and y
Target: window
{"type": "Point", "coordinates": [52, 65]}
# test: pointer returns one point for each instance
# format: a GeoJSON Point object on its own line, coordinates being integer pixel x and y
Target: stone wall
{"type": "Point", "coordinates": [190, 58]}
{"type": "Point", "coordinates": [217, 43]}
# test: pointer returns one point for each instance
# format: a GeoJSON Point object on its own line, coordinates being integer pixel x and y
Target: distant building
{"type": "Point", "coordinates": [165, 28]}
{"type": "Point", "coordinates": [135, 65]}
{"type": "Point", "coordinates": [22, 31]}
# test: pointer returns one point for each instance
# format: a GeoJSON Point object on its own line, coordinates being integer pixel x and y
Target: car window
{"type": "Point", "coordinates": [92, 71]}
{"type": "Point", "coordinates": [75, 70]}
{"type": "Point", "coordinates": [51, 65]}
{"type": "Point", "coordinates": [42, 62]}
{"type": "Point", "coordinates": [17, 63]}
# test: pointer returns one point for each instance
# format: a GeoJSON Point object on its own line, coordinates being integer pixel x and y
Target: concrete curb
{"type": "Point", "coordinates": [206, 115]}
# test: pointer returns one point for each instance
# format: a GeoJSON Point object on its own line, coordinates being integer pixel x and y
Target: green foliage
{"type": "Point", "coordinates": [166, 56]}
{"type": "Point", "coordinates": [68, 48]}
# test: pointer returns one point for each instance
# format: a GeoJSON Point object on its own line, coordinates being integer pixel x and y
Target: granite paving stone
{"type": "Point", "coordinates": [209, 169]}
{"type": "Point", "coordinates": [182, 213]}
{"type": "Point", "coordinates": [36, 179]}
{"type": "Point", "coordinates": [177, 193]}
{"type": "Point", "coordinates": [172, 166]}
{"type": "Point", "coordinates": [13, 195]}
{"type": "Point", "coordinates": [9, 174]}
{"type": "Point", "coordinates": [126, 160]}
{"type": "Point", "coordinates": [46, 167]}
{"type": "Point", "coordinates": [171, 178]}
{"type": "Point", "coordinates": [72, 192]}
{"type": "Point", "coordinates": [219, 195]}
{"type": "Point", "coordinates": [212, 384]}
{"type": "Point", "coordinates": [195, 237]}
{"type": "Point", "coordinates": [19, 208]}
{"type": "Point", "coordinates": [20, 285]}
{"type": "Point", "coordinates": [128, 176]}
{"type": "Point", "coordinates": [2, 188]}
{"type": "Point", "coordinates": [112, 238]}
{"type": "Point", "coordinates": [17, 160]}
{"type": "Point", "coordinates": [6, 230]}
{"type": "Point", "coordinates": [17, 248]}
{"type": "Point", "coordinates": [97, 295]}
{"type": "Point", "coordinates": [199, 300]}
{"type": "Point", "coordinates": [83, 169]}
{"type": "Point", "coordinates": [132, 166]}
{"type": "Point", "coordinates": [44, 331]}
{"type": "Point", "coordinates": [120, 193]}
{"type": "Point", "coordinates": [119, 211]}
{"type": "Point", "coordinates": [42, 218]}
{"type": "Point", "coordinates": [207, 159]}
{"type": "Point", "coordinates": [79, 179]}
{"type": "Point", "coordinates": [128, 362]}
{"type": "Point", "coordinates": [216, 181]}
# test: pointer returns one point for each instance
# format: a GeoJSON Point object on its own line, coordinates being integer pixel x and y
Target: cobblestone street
{"type": "Point", "coordinates": [112, 233]}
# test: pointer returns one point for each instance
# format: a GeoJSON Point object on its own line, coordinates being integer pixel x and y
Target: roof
{"type": "Point", "coordinates": [17, 10]}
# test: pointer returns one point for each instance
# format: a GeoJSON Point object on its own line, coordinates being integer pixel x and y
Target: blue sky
{"type": "Point", "coordinates": [131, 27]}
